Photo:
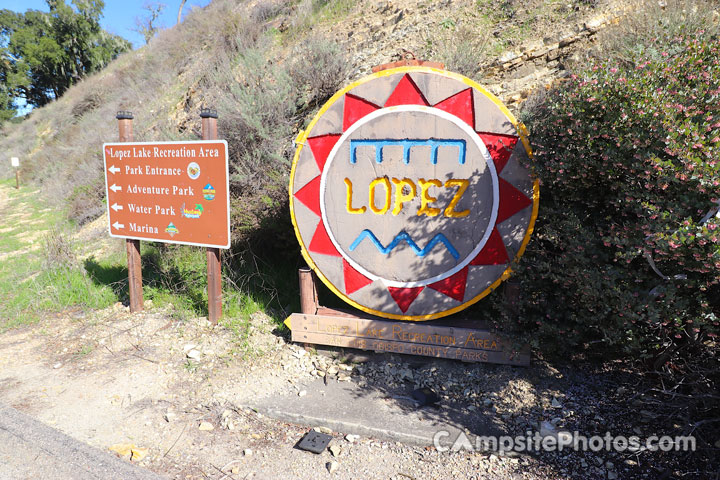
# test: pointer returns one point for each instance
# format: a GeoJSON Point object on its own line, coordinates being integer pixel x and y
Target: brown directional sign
{"type": "Point", "coordinates": [172, 192]}
{"type": "Point", "coordinates": [465, 344]}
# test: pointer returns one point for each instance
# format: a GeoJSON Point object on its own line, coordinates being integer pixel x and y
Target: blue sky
{"type": "Point", "coordinates": [118, 15]}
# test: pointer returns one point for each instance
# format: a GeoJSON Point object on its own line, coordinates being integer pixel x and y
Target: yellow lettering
{"type": "Point", "coordinates": [348, 203]}
{"type": "Point", "coordinates": [388, 188]}
{"type": "Point", "coordinates": [462, 185]}
{"type": "Point", "coordinates": [396, 331]}
{"type": "Point", "coordinates": [426, 199]}
{"type": "Point", "coordinates": [401, 196]}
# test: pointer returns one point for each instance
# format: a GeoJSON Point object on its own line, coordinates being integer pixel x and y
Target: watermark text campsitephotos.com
{"type": "Point", "coordinates": [445, 441]}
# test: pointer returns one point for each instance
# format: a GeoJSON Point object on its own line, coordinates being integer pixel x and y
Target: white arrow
{"type": "Point", "coordinates": [115, 188]}
{"type": "Point", "coordinates": [116, 207]}
{"type": "Point", "coordinates": [113, 169]}
{"type": "Point", "coordinates": [117, 225]}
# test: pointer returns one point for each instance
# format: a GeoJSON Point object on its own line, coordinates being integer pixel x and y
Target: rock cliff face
{"type": "Point", "coordinates": [516, 49]}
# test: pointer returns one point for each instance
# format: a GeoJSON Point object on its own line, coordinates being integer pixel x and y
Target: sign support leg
{"type": "Point", "coordinates": [125, 132]}
{"type": "Point", "coordinates": [134, 275]}
{"type": "Point", "coordinates": [308, 292]}
{"type": "Point", "coordinates": [214, 266]}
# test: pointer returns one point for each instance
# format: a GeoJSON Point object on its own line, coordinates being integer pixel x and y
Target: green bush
{"type": "Point", "coordinates": [627, 155]}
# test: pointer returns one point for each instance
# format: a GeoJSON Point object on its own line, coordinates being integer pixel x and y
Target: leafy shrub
{"type": "Point", "coordinates": [628, 155]}
{"type": "Point", "coordinates": [320, 67]}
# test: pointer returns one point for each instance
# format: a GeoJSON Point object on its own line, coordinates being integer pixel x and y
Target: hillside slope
{"type": "Point", "coordinates": [257, 62]}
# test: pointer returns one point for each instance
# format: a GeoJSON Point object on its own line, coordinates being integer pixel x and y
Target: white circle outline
{"type": "Point", "coordinates": [483, 150]}
{"type": "Point", "coordinates": [198, 171]}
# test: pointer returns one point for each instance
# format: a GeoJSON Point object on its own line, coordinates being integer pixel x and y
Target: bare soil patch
{"type": "Point", "coordinates": [180, 389]}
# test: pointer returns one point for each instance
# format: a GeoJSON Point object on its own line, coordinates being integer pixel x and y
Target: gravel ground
{"type": "Point", "coordinates": [174, 390]}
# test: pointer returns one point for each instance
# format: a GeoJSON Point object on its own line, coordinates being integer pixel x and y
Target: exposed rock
{"type": "Point", "coordinates": [332, 467]}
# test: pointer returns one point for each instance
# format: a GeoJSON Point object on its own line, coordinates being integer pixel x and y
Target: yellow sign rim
{"type": "Point", "coordinates": [522, 133]}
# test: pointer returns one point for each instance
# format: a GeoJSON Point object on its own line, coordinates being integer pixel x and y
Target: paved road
{"type": "Point", "coordinates": [31, 450]}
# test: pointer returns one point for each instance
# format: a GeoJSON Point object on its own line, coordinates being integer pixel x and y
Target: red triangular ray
{"type": "Point", "coordinates": [404, 297]}
{"type": "Point", "coordinates": [356, 108]}
{"type": "Point", "coordinates": [512, 201]}
{"type": "Point", "coordinates": [354, 280]}
{"type": "Point", "coordinates": [453, 286]}
{"type": "Point", "coordinates": [321, 242]}
{"type": "Point", "coordinates": [309, 195]}
{"type": "Point", "coordinates": [461, 105]}
{"type": "Point", "coordinates": [406, 93]}
{"type": "Point", "coordinates": [493, 253]}
{"type": "Point", "coordinates": [321, 147]}
{"type": "Point", "coordinates": [500, 147]}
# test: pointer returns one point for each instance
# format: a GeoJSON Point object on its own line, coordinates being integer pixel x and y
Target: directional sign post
{"type": "Point", "coordinates": [15, 162]}
{"type": "Point", "coordinates": [132, 246]}
{"type": "Point", "coordinates": [214, 272]}
{"type": "Point", "coordinates": [172, 192]}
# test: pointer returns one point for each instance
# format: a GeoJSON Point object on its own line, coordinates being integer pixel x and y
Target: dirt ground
{"type": "Point", "coordinates": [173, 395]}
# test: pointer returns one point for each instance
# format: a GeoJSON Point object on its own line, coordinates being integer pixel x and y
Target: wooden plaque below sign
{"type": "Point", "coordinates": [465, 344]}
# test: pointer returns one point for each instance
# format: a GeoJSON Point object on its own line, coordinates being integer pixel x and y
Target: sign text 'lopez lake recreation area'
{"type": "Point", "coordinates": [172, 192]}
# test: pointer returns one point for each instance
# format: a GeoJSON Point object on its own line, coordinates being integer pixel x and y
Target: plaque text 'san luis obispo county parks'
{"type": "Point", "coordinates": [173, 192]}
{"type": "Point", "coordinates": [409, 195]}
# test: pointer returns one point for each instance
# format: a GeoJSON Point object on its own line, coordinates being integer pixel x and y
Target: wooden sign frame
{"type": "Point", "coordinates": [331, 327]}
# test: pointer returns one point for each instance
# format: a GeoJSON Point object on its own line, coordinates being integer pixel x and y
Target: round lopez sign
{"type": "Point", "coordinates": [408, 193]}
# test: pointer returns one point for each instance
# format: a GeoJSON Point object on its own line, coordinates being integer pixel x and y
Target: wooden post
{"type": "Point", "coordinates": [15, 163]}
{"type": "Point", "coordinates": [214, 267]}
{"type": "Point", "coordinates": [132, 246]}
{"type": "Point", "coordinates": [512, 296]}
{"type": "Point", "coordinates": [308, 292]}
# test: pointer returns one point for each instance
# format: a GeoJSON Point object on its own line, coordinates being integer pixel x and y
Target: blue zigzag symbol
{"type": "Point", "coordinates": [404, 236]}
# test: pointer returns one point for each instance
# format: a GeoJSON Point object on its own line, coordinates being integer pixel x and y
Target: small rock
{"type": "Point", "coordinates": [547, 429]}
{"type": "Point", "coordinates": [612, 476]}
{"type": "Point", "coordinates": [556, 403]}
{"type": "Point", "coordinates": [332, 370]}
{"type": "Point", "coordinates": [324, 430]}
{"type": "Point", "coordinates": [235, 470]}
{"type": "Point", "coordinates": [335, 450]}
{"type": "Point", "coordinates": [247, 452]}
{"type": "Point", "coordinates": [193, 354]}
{"type": "Point", "coordinates": [583, 463]}
{"type": "Point", "coordinates": [57, 365]}
{"type": "Point", "coordinates": [598, 461]}
{"type": "Point", "coordinates": [169, 416]}
{"type": "Point", "coordinates": [302, 393]}
{"type": "Point", "coordinates": [621, 390]}
{"type": "Point", "coordinates": [556, 421]}
{"type": "Point", "coordinates": [632, 463]}
{"type": "Point", "coordinates": [352, 438]}
{"type": "Point", "coordinates": [332, 466]}
{"type": "Point", "coordinates": [343, 378]}
{"type": "Point", "coordinates": [471, 408]}
{"type": "Point", "coordinates": [206, 427]}
{"type": "Point", "coordinates": [487, 402]}
{"type": "Point", "coordinates": [609, 465]}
